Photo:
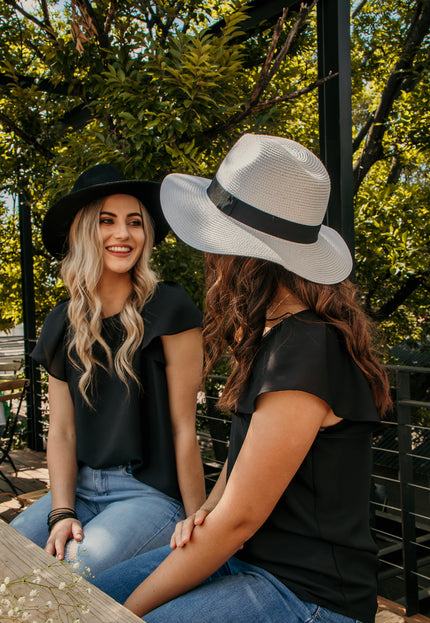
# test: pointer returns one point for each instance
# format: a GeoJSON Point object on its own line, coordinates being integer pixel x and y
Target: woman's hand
{"type": "Point", "coordinates": [61, 532]}
{"type": "Point", "coordinates": [184, 529]}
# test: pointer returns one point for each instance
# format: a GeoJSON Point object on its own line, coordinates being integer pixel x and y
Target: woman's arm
{"type": "Point", "coordinates": [184, 362]}
{"type": "Point", "coordinates": [184, 529]}
{"type": "Point", "coordinates": [280, 435]}
{"type": "Point", "coordinates": [62, 465]}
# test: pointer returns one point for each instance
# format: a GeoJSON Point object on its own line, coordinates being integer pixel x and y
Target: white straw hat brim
{"type": "Point", "coordinates": [198, 222]}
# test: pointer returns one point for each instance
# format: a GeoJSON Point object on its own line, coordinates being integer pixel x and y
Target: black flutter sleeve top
{"type": "Point", "coordinates": [317, 540]}
{"type": "Point", "coordinates": [125, 427]}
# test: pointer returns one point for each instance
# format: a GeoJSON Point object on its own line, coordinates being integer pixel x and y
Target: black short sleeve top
{"type": "Point", "coordinates": [317, 540]}
{"type": "Point", "coordinates": [125, 426]}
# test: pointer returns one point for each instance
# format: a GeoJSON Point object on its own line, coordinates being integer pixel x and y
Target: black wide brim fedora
{"type": "Point", "coordinates": [97, 182]}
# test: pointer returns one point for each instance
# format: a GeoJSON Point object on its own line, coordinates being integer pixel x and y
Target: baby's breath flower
{"type": "Point", "coordinates": [62, 586]}
{"type": "Point", "coordinates": [48, 603]}
{"type": "Point", "coordinates": [33, 593]}
{"type": "Point", "coordinates": [2, 588]}
{"type": "Point", "coordinates": [21, 600]}
{"type": "Point", "coordinates": [6, 580]}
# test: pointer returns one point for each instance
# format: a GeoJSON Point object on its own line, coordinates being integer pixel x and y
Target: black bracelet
{"type": "Point", "coordinates": [57, 514]}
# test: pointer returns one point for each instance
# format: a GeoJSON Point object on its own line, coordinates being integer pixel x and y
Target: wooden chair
{"type": "Point", "coordinates": [11, 391]}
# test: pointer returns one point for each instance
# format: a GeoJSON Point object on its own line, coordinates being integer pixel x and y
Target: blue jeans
{"type": "Point", "coordinates": [237, 592]}
{"type": "Point", "coordinates": [121, 516]}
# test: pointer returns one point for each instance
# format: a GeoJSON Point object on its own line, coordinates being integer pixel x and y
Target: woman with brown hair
{"type": "Point", "coordinates": [284, 535]}
{"type": "Point", "coordinates": [124, 356]}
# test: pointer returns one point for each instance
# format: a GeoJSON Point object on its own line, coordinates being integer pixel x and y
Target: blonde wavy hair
{"type": "Point", "coordinates": [81, 272]}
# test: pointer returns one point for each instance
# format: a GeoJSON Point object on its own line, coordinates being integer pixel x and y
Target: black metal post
{"type": "Point", "coordinates": [406, 492]}
{"type": "Point", "coordinates": [335, 113]}
{"type": "Point", "coordinates": [34, 424]}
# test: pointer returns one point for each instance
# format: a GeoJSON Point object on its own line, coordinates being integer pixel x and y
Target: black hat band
{"type": "Point", "coordinates": [259, 220]}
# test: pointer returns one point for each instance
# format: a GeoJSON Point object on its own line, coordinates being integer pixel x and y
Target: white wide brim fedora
{"type": "Point", "coordinates": [267, 200]}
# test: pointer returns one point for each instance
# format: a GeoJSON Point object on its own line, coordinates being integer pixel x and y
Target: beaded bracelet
{"type": "Point", "coordinates": [57, 514]}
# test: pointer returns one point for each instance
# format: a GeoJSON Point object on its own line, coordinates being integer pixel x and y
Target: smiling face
{"type": "Point", "coordinates": [122, 233]}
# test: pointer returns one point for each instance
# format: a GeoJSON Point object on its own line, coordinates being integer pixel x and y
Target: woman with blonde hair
{"type": "Point", "coordinates": [284, 536]}
{"type": "Point", "coordinates": [124, 357]}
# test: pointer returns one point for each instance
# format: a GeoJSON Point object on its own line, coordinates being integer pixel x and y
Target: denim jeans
{"type": "Point", "coordinates": [237, 592]}
{"type": "Point", "coordinates": [121, 516]}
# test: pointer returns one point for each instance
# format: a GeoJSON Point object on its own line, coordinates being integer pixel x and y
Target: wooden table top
{"type": "Point", "coordinates": [35, 583]}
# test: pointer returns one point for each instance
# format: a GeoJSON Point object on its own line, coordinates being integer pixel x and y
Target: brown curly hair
{"type": "Point", "coordinates": [239, 292]}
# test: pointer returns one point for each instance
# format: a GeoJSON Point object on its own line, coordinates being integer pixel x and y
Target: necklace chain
{"type": "Point", "coordinates": [272, 311]}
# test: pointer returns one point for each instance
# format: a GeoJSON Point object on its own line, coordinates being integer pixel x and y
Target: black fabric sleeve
{"type": "Point", "coordinates": [170, 311]}
{"type": "Point", "coordinates": [50, 350]}
{"type": "Point", "coordinates": [306, 354]}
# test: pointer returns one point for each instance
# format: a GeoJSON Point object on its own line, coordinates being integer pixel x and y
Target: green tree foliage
{"type": "Point", "coordinates": [157, 87]}
{"type": "Point", "coordinates": [148, 87]}
{"type": "Point", "coordinates": [391, 103]}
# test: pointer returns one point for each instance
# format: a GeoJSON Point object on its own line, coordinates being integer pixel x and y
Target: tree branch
{"type": "Point", "coordinates": [412, 283]}
{"type": "Point", "coordinates": [238, 117]}
{"type": "Point", "coordinates": [45, 27]}
{"type": "Point", "coordinates": [402, 71]}
{"type": "Point", "coordinates": [289, 96]}
{"type": "Point", "coordinates": [30, 140]}
{"type": "Point", "coordinates": [302, 16]}
{"type": "Point", "coordinates": [358, 9]}
{"type": "Point", "coordinates": [46, 16]}
{"type": "Point", "coordinates": [109, 17]}
{"type": "Point", "coordinates": [362, 133]}
{"type": "Point", "coordinates": [268, 71]}
{"type": "Point", "coordinates": [44, 85]}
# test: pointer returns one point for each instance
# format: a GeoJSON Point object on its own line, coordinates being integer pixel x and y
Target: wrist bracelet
{"type": "Point", "coordinates": [57, 514]}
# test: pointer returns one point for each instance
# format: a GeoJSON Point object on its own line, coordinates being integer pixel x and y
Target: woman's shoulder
{"type": "Point", "coordinates": [50, 348]}
{"type": "Point", "coordinates": [170, 310]}
{"type": "Point", "coordinates": [305, 353]}
{"type": "Point", "coordinates": [304, 329]}
{"type": "Point", "coordinates": [57, 317]}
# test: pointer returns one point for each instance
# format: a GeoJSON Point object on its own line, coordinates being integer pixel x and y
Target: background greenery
{"type": "Point", "coordinates": [153, 87]}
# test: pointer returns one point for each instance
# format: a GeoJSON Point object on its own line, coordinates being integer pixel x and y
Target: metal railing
{"type": "Point", "coordinates": [401, 495]}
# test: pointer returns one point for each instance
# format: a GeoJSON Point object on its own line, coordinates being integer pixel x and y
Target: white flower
{"type": "Point", "coordinates": [2, 588]}
{"type": "Point", "coordinates": [33, 593]}
{"type": "Point", "coordinates": [37, 579]}
{"type": "Point", "coordinates": [21, 600]}
{"type": "Point", "coordinates": [75, 565]}
{"type": "Point", "coordinates": [48, 604]}
{"type": "Point", "coordinates": [88, 590]}
{"type": "Point", "coordinates": [10, 613]}
{"type": "Point", "coordinates": [6, 580]}
{"type": "Point", "coordinates": [25, 615]}
{"type": "Point", "coordinates": [85, 609]}
{"type": "Point", "coordinates": [62, 586]}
